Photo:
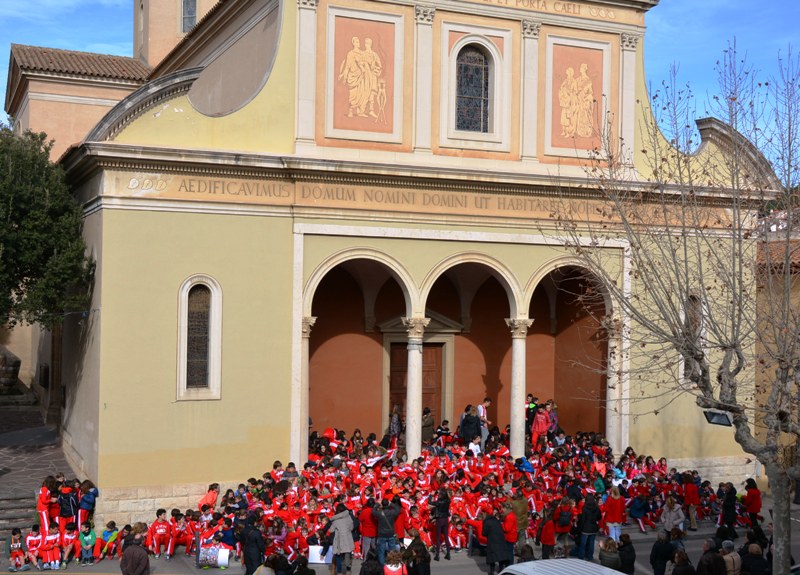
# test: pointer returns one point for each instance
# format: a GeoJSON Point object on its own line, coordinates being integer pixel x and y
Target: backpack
{"type": "Point", "coordinates": [68, 504]}
{"type": "Point", "coordinates": [564, 518]}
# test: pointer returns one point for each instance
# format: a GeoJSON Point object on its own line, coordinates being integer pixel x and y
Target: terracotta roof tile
{"type": "Point", "coordinates": [778, 253]}
{"type": "Point", "coordinates": [39, 59]}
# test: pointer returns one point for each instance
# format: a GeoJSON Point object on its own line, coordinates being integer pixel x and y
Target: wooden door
{"type": "Point", "coordinates": [431, 377]}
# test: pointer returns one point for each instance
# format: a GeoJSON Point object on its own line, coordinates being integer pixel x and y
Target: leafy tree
{"type": "Point", "coordinates": [44, 272]}
{"type": "Point", "coordinates": [709, 296]}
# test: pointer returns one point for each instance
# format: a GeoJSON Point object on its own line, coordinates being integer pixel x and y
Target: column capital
{"type": "Point", "coordinates": [415, 326]}
{"type": "Point", "coordinates": [308, 4]}
{"type": "Point", "coordinates": [308, 323]}
{"type": "Point", "coordinates": [519, 327]}
{"type": "Point", "coordinates": [629, 41]}
{"type": "Point", "coordinates": [530, 28]}
{"type": "Point", "coordinates": [424, 14]}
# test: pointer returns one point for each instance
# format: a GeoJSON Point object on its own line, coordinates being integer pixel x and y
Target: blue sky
{"type": "Point", "coordinates": [688, 33]}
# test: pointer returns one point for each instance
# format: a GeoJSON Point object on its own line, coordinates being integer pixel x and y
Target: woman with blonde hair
{"type": "Point", "coordinates": [614, 513]}
{"type": "Point", "coordinates": [609, 555]}
{"type": "Point", "coordinates": [672, 515]}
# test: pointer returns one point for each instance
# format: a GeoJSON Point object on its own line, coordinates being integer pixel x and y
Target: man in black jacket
{"type": "Point", "coordinates": [134, 559]}
{"type": "Point", "coordinates": [385, 515]}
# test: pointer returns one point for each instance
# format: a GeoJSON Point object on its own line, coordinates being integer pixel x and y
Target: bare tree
{"type": "Point", "coordinates": [700, 251]}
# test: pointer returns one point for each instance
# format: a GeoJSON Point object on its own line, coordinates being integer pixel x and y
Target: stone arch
{"type": "Point", "coordinates": [609, 388]}
{"type": "Point", "coordinates": [488, 294]}
{"type": "Point", "coordinates": [394, 267]}
{"type": "Point", "coordinates": [498, 270]}
{"type": "Point", "coordinates": [549, 267]}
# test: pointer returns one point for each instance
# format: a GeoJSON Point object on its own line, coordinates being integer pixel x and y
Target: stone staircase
{"type": "Point", "coordinates": [22, 433]}
{"type": "Point", "coordinates": [15, 512]}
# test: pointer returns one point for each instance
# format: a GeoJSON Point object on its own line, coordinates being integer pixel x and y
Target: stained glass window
{"type": "Point", "coordinates": [189, 15]}
{"type": "Point", "coordinates": [472, 90]}
{"type": "Point", "coordinates": [198, 336]}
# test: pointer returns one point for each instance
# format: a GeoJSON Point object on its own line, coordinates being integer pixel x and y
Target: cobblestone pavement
{"type": "Point", "coordinates": [17, 418]}
{"type": "Point", "coordinates": [22, 469]}
{"type": "Point", "coordinates": [29, 451]}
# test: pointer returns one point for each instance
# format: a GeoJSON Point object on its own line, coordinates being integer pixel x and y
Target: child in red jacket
{"type": "Point", "coordinates": [70, 547]}
{"type": "Point", "coordinates": [44, 499]}
{"type": "Point", "coordinates": [547, 535]}
{"type": "Point", "coordinates": [158, 534]}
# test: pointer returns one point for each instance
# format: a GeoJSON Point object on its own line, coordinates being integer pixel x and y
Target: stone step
{"type": "Point", "coordinates": [7, 503]}
{"type": "Point", "coordinates": [16, 513]}
{"type": "Point", "coordinates": [19, 521]}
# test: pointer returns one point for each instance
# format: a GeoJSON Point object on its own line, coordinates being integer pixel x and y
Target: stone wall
{"type": "Point", "coordinates": [131, 504]}
{"type": "Point", "coordinates": [716, 469]}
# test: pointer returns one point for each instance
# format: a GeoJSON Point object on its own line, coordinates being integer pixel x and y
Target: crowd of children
{"type": "Point", "coordinates": [292, 508]}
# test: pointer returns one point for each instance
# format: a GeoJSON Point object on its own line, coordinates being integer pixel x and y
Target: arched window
{"type": "Point", "coordinates": [198, 325]}
{"type": "Point", "coordinates": [189, 15]}
{"type": "Point", "coordinates": [199, 338]}
{"type": "Point", "coordinates": [473, 89]}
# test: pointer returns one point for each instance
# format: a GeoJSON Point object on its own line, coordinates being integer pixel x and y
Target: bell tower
{"type": "Point", "coordinates": [159, 25]}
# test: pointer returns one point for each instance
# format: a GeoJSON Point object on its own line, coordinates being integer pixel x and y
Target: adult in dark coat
{"type": "Point", "coordinates": [627, 554]}
{"type": "Point", "coordinates": [254, 545]}
{"type": "Point", "coordinates": [589, 525]}
{"type": "Point", "coordinates": [661, 553]}
{"type": "Point", "coordinates": [440, 513]}
{"type": "Point", "coordinates": [729, 509]}
{"type": "Point", "coordinates": [470, 426]}
{"type": "Point", "coordinates": [753, 562]}
{"type": "Point", "coordinates": [497, 550]}
{"type": "Point", "coordinates": [711, 562]}
{"type": "Point", "coordinates": [427, 426]}
{"type": "Point", "coordinates": [134, 559]}
{"type": "Point", "coordinates": [682, 564]}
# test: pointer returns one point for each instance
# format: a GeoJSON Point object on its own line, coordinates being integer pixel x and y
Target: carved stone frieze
{"type": "Point", "coordinates": [308, 323]}
{"type": "Point", "coordinates": [415, 326]}
{"type": "Point", "coordinates": [530, 28]}
{"type": "Point", "coordinates": [629, 41]}
{"type": "Point", "coordinates": [424, 14]}
{"type": "Point", "coordinates": [519, 327]}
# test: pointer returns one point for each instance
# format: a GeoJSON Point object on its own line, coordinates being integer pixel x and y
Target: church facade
{"type": "Point", "coordinates": [324, 209]}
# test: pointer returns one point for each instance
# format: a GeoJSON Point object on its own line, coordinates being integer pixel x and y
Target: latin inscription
{"type": "Point", "coordinates": [233, 188]}
{"type": "Point", "coordinates": [411, 199]}
{"type": "Point", "coordinates": [557, 7]}
{"type": "Point", "coordinates": [335, 196]}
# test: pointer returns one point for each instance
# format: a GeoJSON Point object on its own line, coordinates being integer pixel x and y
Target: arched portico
{"type": "Point", "coordinates": [475, 282]}
{"type": "Point", "coordinates": [344, 297]}
{"type": "Point", "coordinates": [570, 307]}
{"type": "Point", "coordinates": [364, 305]}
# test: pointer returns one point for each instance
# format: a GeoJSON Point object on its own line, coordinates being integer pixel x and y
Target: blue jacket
{"type": "Point", "coordinates": [89, 499]}
{"type": "Point", "coordinates": [639, 508]}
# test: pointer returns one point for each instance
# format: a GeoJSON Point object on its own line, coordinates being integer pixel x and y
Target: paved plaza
{"type": "Point", "coordinates": [29, 451]}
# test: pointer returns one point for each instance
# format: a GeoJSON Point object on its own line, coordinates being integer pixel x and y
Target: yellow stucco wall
{"type": "Point", "coordinates": [249, 257]}
{"type": "Point", "coordinates": [266, 124]}
{"type": "Point", "coordinates": [82, 345]}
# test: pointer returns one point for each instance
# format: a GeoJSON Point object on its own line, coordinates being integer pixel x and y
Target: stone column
{"type": "Point", "coordinates": [519, 333]}
{"type": "Point", "coordinates": [306, 71]}
{"type": "Point", "coordinates": [416, 329]}
{"type": "Point", "coordinates": [615, 407]}
{"type": "Point", "coordinates": [308, 323]}
{"type": "Point", "coordinates": [627, 94]}
{"type": "Point", "coordinates": [424, 78]}
{"type": "Point", "coordinates": [530, 81]}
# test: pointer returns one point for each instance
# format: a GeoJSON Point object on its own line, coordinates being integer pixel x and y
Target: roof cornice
{"type": "Point", "coordinates": [90, 158]}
